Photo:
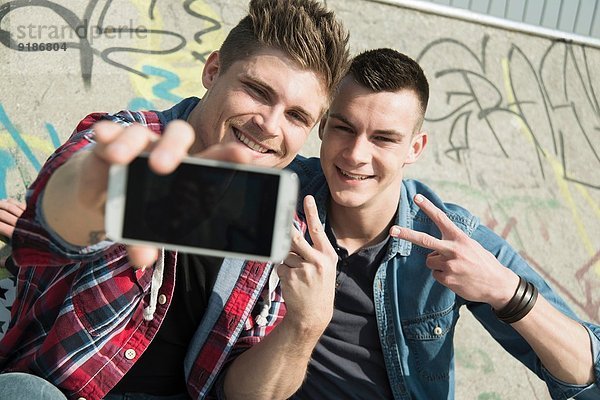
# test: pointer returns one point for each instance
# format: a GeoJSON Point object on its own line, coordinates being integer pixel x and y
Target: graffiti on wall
{"type": "Point", "coordinates": [156, 57]}
{"type": "Point", "coordinates": [541, 111]}
{"type": "Point", "coordinates": [84, 32]}
{"type": "Point", "coordinates": [550, 112]}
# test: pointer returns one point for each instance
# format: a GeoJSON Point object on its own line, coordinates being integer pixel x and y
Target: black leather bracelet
{"type": "Point", "coordinates": [531, 298]}
{"type": "Point", "coordinates": [515, 300]}
{"type": "Point", "coordinates": [520, 304]}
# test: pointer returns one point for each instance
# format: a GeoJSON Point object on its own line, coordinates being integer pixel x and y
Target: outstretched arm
{"type": "Point", "coordinates": [74, 198]}
{"type": "Point", "coordinates": [465, 267]}
{"type": "Point", "coordinates": [275, 367]}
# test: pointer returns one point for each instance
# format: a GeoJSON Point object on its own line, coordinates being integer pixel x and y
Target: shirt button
{"type": "Point", "coordinates": [81, 398]}
{"type": "Point", "coordinates": [130, 354]}
{"type": "Point", "coordinates": [162, 299]}
{"type": "Point", "coordinates": [437, 331]}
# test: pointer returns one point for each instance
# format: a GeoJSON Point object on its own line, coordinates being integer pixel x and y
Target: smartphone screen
{"type": "Point", "coordinates": [201, 206]}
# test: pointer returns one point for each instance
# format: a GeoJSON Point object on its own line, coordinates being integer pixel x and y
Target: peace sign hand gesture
{"type": "Point", "coordinates": [308, 275]}
{"type": "Point", "coordinates": [459, 262]}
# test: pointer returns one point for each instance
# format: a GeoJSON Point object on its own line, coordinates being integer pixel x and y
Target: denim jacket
{"type": "Point", "coordinates": [417, 316]}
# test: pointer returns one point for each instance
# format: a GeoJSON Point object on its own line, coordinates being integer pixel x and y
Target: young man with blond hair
{"type": "Point", "coordinates": [94, 319]}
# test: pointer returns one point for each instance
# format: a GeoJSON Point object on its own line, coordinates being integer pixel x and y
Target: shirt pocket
{"type": "Point", "coordinates": [430, 342]}
{"type": "Point", "coordinates": [104, 299]}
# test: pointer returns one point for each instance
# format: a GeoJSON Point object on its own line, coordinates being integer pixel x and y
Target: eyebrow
{"type": "Point", "coordinates": [310, 121]}
{"type": "Point", "coordinates": [386, 132]}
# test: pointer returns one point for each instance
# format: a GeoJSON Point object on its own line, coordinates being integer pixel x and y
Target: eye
{"type": "Point", "coordinates": [343, 128]}
{"type": "Point", "coordinates": [298, 117]}
{"type": "Point", "coordinates": [385, 139]}
{"type": "Point", "coordinates": [256, 91]}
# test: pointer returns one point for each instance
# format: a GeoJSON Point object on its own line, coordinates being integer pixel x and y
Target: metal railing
{"type": "Point", "coordinates": [571, 20]}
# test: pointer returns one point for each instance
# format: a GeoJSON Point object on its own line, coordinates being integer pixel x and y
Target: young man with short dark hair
{"type": "Point", "coordinates": [382, 323]}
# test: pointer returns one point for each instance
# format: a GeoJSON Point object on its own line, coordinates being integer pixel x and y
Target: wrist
{"type": "Point", "coordinates": [520, 304]}
{"type": "Point", "coordinates": [304, 329]}
{"type": "Point", "coordinates": [505, 291]}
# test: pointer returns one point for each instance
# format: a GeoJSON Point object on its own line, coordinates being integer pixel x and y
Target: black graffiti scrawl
{"type": "Point", "coordinates": [82, 29]}
{"type": "Point", "coordinates": [477, 101]}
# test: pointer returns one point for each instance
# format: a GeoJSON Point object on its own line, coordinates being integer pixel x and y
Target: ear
{"type": "Point", "coordinates": [211, 69]}
{"type": "Point", "coordinates": [418, 143]}
{"type": "Point", "coordinates": [322, 124]}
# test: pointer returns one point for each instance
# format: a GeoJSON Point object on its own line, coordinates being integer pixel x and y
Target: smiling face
{"type": "Point", "coordinates": [266, 102]}
{"type": "Point", "coordinates": [368, 138]}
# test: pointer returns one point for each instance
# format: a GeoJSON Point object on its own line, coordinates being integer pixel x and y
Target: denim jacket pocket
{"type": "Point", "coordinates": [429, 339]}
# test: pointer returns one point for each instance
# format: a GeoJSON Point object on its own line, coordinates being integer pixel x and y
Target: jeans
{"type": "Point", "coordinates": [20, 386]}
{"type": "Point", "coordinates": [142, 396]}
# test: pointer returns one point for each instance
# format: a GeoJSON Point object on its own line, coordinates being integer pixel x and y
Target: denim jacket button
{"type": "Point", "coordinates": [437, 331]}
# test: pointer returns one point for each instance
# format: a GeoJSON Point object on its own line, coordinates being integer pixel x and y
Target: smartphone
{"type": "Point", "coordinates": [206, 207]}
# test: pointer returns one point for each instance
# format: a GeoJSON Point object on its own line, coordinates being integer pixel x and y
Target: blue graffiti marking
{"type": "Point", "coordinates": [53, 135]}
{"type": "Point", "coordinates": [4, 120]}
{"type": "Point", "coordinates": [139, 103]}
{"type": "Point", "coordinates": [162, 90]}
{"type": "Point", "coordinates": [6, 162]}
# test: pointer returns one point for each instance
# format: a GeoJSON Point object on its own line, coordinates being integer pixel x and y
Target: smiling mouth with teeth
{"type": "Point", "coordinates": [250, 143]}
{"type": "Point", "coordinates": [354, 177]}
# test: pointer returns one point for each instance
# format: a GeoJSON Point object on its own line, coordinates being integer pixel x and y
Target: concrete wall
{"type": "Point", "coordinates": [514, 124]}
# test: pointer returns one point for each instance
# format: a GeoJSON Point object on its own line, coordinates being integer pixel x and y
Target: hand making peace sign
{"type": "Point", "coordinates": [459, 262]}
{"type": "Point", "coordinates": [308, 274]}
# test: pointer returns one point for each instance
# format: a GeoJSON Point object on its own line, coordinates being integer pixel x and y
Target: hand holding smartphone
{"type": "Point", "coordinates": [206, 207]}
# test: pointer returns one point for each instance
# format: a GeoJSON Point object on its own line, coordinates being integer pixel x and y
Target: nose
{"type": "Point", "coordinates": [269, 120]}
{"type": "Point", "coordinates": [358, 149]}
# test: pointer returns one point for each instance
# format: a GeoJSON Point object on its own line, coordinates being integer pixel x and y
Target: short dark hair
{"type": "Point", "coordinates": [388, 70]}
{"type": "Point", "coordinates": [303, 29]}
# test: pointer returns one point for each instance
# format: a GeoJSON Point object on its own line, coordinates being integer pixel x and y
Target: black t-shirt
{"type": "Point", "coordinates": [159, 371]}
{"type": "Point", "coordinates": [347, 362]}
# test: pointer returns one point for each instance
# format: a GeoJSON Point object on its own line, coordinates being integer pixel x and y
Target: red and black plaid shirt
{"type": "Point", "coordinates": [77, 319]}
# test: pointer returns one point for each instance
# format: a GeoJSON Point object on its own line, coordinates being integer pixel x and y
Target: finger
{"type": "Point", "coordinates": [283, 270]}
{"type": "Point", "coordinates": [315, 228]}
{"type": "Point", "coordinates": [8, 217]}
{"type": "Point", "coordinates": [440, 276]}
{"type": "Point", "coordinates": [18, 204]}
{"type": "Point", "coordinates": [11, 209]}
{"type": "Point", "coordinates": [6, 230]}
{"type": "Point", "coordinates": [436, 261]}
{"type": "Point", "coordinates": [120, 145]}
{"type": "Point", "coordinates": [293, 260]}
{"type": "Point", "coordinates": [106, 132]}
{"type": "Point", "coordinates": [172, 147]}
{"type": "Point", "coordinates": [142, 255]}
{"type": "Point", "coordinates": [301, 247]}
{"type": "Point", "coordinates": [419, 238]}
{"type": "Point", "coordinates": [439, 218]}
